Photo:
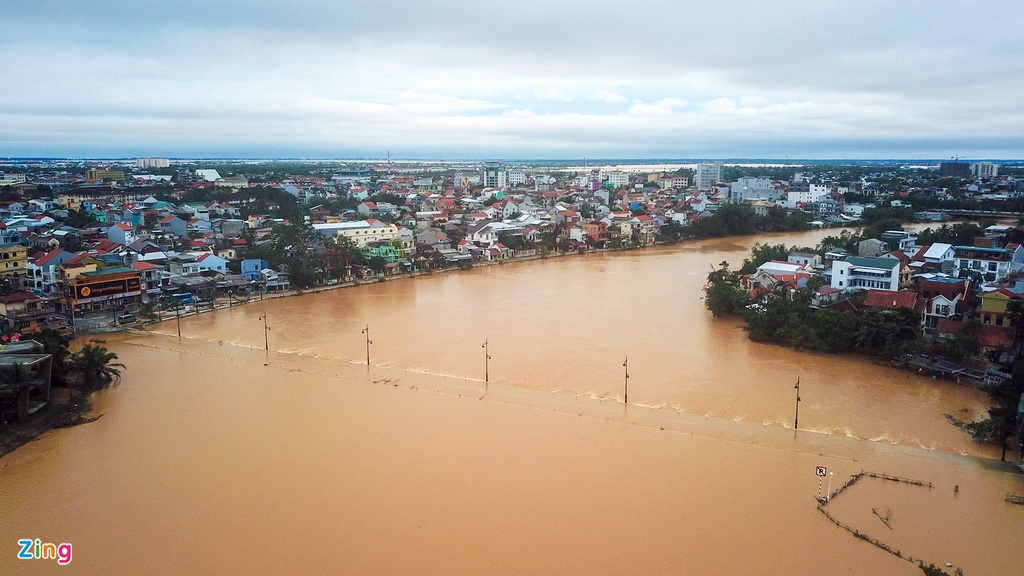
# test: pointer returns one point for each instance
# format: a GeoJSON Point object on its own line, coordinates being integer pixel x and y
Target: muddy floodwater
{"type": "Point", "coordinates": [216, 456]}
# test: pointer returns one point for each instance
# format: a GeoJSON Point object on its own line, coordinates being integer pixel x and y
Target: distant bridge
{"type": "Point", "coordinates": [983, 213]}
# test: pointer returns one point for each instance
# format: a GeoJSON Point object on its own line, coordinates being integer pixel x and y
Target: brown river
{"type": "Point", "coordinates": [216, 456]}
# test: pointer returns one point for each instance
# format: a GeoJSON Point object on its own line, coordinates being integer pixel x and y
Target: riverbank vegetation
{"type": "Point", "coordinates": [742, 220]}
{"type": "Point", "coordinates": [788, 316]}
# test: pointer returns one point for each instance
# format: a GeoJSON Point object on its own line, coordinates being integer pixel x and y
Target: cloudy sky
{"type": "Point", "coordinates": [530, 79]}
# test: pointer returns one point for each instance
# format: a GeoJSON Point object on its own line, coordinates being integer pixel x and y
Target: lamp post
{"type": "Point", "coordinates": [266, 332]}
{"type": "Point", "coordinates": [487, 364]}
{"type": "Point", "coordinates": [626, 381]}
{"type": "Point", "coordinates": [368, 342]}
{"type": "Point", "coordinates": [177, 317]}
{"type": "Point", "coordinates": [796, 419]}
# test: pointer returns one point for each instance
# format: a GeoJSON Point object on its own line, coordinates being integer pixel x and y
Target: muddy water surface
{"type": "Point", "coordinates": [215, 456]}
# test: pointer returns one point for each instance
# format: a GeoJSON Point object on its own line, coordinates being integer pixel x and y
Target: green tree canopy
{"type": "Point", "coordinates": [94, 366]}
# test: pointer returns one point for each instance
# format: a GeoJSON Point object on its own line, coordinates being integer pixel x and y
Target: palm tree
{"type": "Point", "coordinates": [94, 365]}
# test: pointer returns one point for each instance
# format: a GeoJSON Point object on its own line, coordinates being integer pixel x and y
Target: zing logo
{"type": "Point", "coordinates": [36, 550]}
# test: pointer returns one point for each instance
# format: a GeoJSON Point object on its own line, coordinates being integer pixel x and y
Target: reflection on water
{"type": "Point", "coordinates": [215, 456]}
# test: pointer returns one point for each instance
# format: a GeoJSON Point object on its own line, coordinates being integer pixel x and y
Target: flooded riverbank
{"type": "Point", "coordinates": [217, 456]}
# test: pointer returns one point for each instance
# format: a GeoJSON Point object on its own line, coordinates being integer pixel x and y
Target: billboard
{"type": "Point", "coordinates": [107, 289]}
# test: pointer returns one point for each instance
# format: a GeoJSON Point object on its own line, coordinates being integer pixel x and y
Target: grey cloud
{"type": "Point", "coordinates": [326, 74]}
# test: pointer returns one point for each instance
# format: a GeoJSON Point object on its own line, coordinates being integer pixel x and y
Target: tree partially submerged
{"type": "Point", "coordinates": [93, 366]}
{"type": "Point", "coordinates": [723, 294]}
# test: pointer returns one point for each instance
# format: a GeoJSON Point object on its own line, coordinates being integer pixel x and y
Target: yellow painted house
{"type": "Point", "coordinates": [13, 258]}
{"type": "Point", "coordinates": [993, 306]}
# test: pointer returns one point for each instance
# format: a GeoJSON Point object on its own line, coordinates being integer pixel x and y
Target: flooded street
{"type": "Point", "coordinates": [216, 456]}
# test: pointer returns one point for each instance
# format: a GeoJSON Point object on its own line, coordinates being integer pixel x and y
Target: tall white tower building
{"type": "Point", "coordinates": [708, 174]}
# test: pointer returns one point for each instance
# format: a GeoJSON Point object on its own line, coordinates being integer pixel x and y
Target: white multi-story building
{"type": "Point", "coordinates": [992, 264]}
{"type": "Point", "coordinates": [749, 188]}
{"type": "Point", "coordinates": [144, 163]}
{"type": "Point", "coordinates": [516, 177]}
{"type": "Point", "coordinates": [11, 178]}
{"type": "Point", "coordinates": [985, 170]}
{"type": "Point", "coordinates": [362, 232]}
{"type": "Point", "coordinates": [814, 193]}
{"type": "Point", "coordinates": [856, 273]}
{"type": "Point", "coordinates": [674, 181]}
{"type": "Point", "coordinates": [617, 178]}
{"type": "Point", "coordinates": [819, 191]}
{"type": "Point", "coordinates": [708, 174]}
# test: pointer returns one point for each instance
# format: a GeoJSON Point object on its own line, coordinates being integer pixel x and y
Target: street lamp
{"type": "Point", "coordinates": [368, 342]}
{"type": "Point", "coordinates": [177, 317]}
{"type": "Point", "coordinates": [266, 332]}
{"type": "Point", "coordinates": [626, 381]}
{"type": "Point", "coordinates": [487, 364]}
{"type": "Point", "coordinates": [796, 419]}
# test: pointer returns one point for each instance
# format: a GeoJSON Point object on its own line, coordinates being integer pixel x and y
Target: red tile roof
{"type": "Point", "coordinates": [18, 297]}
{"type": "Point", "coordinates": [892, 300]}
{"type": "Point", "coordinates": [45, 258]}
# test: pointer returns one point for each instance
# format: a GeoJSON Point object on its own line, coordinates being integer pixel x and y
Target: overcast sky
{"type": "Point", "coordinates": [530, 79]}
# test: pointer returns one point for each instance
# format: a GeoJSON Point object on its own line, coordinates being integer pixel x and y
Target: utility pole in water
{"type": "Point", "coordinates": [368, 342]}
{"type": "Point", "coordinates": [266, 333]}
{"type": "Point", "coordinates": [487, 364]}
{"type": "Point", "coordinates": [625, 365]}
{"type": "Point", "coordinates": [796, 419]}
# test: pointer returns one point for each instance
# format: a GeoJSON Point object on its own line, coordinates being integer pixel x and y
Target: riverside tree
{"type": "Point", "coordinates": [94, 366]}
{"type": "Point", "coordinates": [723, 294]}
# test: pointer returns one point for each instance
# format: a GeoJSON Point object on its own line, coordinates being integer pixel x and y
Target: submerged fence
{"type": "Point", "coordinates": [822, 502]}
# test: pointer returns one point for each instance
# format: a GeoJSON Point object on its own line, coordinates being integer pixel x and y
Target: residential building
{"type": "Point", "coordinates": [11, 178]}
{"type": "Point", "coordinates": [24, 312]}
{"type": "Point", "coordinates": [679, 181]}
{"type": "Point", "coordinates": [597, 232]}
{"type": "Point", "coordinates": [991, 264]}
{"type": "Point", "coordinates": [104, 174]}
{"type": "Point", "coordinates": [121, 233]}
{"type": "Point", "coordinates": [748, 189]}
{"type": "Point", "coordinates": [994, 304]}
{"type": "Point", "coordinates": [152, 280]}
{"type": "Point", "coordinates": [173, 225]}
{"type": "Point", "coordinates": [41, 273]}
{"type": "Point", "coordinates": [516, 177]}
{"type": "Point", "coordinates": [251, 268]}
{"type": "Point", "coordinates": [804, 259]}
{"type": "Point", "coordinates": [362, 232]}
{"type": "Point", "coordinates": [858, 273]}
{"type": "Point", "coordinates": [13, 259]}
{"type": "Point", "coordinates": [617, 179]}
{"type": "Point", "coordinates": [899, 240]}
{"type": "Point", "coordinates": [946, 299]}
{"type": "Point", "coordinates": [871, 248]}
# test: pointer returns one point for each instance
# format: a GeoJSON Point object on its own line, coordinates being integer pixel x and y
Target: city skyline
{"type": "Point", "coordinates": [446, 81]}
